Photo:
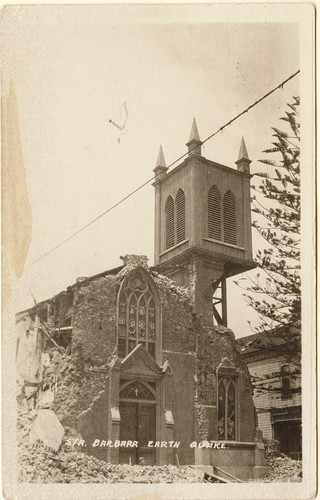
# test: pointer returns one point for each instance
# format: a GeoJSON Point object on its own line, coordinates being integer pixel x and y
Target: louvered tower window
{"type": "Point", "coordinates": [214, 213]}
{"type": "Point", "coordinates": [169, 215]}
{"type": "Point", "coordinates": [229, 218]}
{"type": "Point", "coordinates": [181, 215]}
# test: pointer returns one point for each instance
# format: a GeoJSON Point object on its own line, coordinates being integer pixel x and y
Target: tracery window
{"type": "Point", "coordinates": [169, 222]}
{"type": "Point", "coordinates": [227, 408]}
{"type": "Point", "coordinates": [136, 390]}
{"type": "Point", "coordinates": [214, 213]}
{"type": "Point", "coordinates": [181, 215]}
{"type": "Point", "coordinates": [137, 319]}
{"type": "Point", "coordinates": [229, 218]}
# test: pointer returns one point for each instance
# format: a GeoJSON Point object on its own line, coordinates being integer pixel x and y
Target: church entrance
{"type": "Point", "coordinates": [138, 424]}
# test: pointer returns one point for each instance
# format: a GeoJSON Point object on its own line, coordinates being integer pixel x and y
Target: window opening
{"type": "Point", "coordinates": [169, 216]}
{"type": "Point", "coordinates": [181, 215]}
{"type": "Point", "coordinates": [214, 213]}
{"type": "Point", "coordinates": [229, 218]}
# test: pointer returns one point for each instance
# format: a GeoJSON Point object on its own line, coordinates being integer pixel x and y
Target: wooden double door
{"type": "Point", "coordinates": [138, 423]}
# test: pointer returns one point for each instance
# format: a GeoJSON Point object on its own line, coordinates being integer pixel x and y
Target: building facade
{"type": "Point", "coordinates": [277, 393]}
{"type": "Point", "coordinates": [144, 367]}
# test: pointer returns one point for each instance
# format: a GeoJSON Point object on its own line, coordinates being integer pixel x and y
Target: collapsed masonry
{"type": "Point", "coordinates": [122, 357]}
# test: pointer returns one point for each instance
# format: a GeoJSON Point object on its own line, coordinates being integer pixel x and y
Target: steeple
{"type": "Point", "coordinates": [243, 162]}
{"type": "Point", "coordinates": [194, 143]}
{"type": "Point", "coordinates": [160, 169]}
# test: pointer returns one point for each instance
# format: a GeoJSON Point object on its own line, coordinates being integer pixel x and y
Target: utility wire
{"type": "Point", "coordinates": [171, 164]}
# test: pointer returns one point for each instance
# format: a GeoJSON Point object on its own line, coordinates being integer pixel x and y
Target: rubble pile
{"type": "Point", "coordinates": [282, 469]}
{"type": "Point", "coordinates": [41, 465]}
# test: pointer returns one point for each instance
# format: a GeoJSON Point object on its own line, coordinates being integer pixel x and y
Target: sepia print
{"type": "Point", "coordinates": [158, 257]}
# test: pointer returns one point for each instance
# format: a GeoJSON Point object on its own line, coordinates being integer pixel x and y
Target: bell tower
{"type": "Point", "coordinates": [203, 225]}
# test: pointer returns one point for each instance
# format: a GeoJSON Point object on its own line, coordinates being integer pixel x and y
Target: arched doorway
{"type": "Point", "coordinates": [138, 422]}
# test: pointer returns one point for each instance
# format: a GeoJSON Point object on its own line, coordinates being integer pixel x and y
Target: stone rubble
{"type": "Point", "coordinates": [47, 429]}
{"type": "Point", "coordinates": [39, 464]}
{"type": "Point", "coordinates": [282, 469]}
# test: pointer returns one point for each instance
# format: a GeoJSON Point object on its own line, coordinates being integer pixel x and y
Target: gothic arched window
{"type": "Point", "coordinates": [137, 390]}
{"type": "Point", "coordinates": [214, 213]}
{"type": "Point", "coordinates": [229, 218]}
{"type": "Point", "coordinates": [169, 222]}
{"type": "Point", "coordinates": [227, 408]}
{"type": "Point", "coordinates": [137, 315]}
{"type": "Point", "coordinates": [181, 215]}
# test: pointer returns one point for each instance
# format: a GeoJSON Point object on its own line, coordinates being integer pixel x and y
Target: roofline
{"type": "Point", "coordinates": [44, 302]}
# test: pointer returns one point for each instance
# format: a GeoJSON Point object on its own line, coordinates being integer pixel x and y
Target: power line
{"type": "Point", "coordinates": [171, 164]}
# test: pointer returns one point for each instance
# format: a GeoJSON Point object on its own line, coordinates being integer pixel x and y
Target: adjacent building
{"type": "Point", "coordinates": [277, 390]}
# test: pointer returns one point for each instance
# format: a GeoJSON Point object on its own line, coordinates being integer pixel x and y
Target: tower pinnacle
{"type": "Point", "coordinates": [243, 153]}
{"type": "Point", "coordinates": [243, 162]}
{"type": "Point", "coordinates": [194, 143]}
{"type": "Point", "coordinates": [160, 169]}
{"type": "Point", "coordinates": [161, 162]}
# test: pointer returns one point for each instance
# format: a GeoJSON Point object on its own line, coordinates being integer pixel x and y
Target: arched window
{"type": "Point", "coordinates": [169, 221]}
{"type": "Point", "coordinates": [227, 408]}
{"type": "Point", "coordinates": [181, 215]}
{"type": "Point", "coordinates": [137, 390]}
{"type": "Point", "coordinates": [137, 318]}
{"type": "Point", "coordinates": [214, 213]}
{"type": "Point", "coordinates": [229, 218]}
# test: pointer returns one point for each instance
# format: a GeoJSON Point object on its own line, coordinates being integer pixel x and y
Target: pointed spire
{"type": "Point", "coordinates": [243, 162]}
{"type": "Point", "coordinates": [243, 153]}
{"type": "Point", "coordinates": [194, 134]}
{"type": "Point", "coordinates": [160, 169]}
{"type": "Point", "coordinates": [194, 143]}
{"type": "Point", "coordinates": [161, 162]}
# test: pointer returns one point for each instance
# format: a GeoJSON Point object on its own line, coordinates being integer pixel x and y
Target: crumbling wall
{"type": "Point", "coordinates": [184, 332]}
{"type": "Point", "coordinates": [193, 350]}
{"type": "Point", "coordinates": [81, 377]}
{"type": "Point", "coordinates": [28, 349]}
{"type": "Point", "coordinates": [177, 316]}
{"type": "Point", "coordinates": [213, 344]}
{"type": "Point", "coordinates": [73, 389]}
{"type": "Point", "coordinates": [94, 321]}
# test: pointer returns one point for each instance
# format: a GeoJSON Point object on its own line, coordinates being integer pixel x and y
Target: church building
{"type": "Point", "coordinates": [139, 360]}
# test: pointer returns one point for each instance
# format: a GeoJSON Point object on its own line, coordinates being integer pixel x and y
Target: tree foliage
{"type": "Point", "coordinates": [274, 291]}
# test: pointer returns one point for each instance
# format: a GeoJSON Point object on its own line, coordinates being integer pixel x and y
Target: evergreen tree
{"type": "Point", "coordinates": [274, 291]}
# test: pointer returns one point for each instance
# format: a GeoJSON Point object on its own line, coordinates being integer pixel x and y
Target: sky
{"type": "Point", "coordinates": [75, 68]}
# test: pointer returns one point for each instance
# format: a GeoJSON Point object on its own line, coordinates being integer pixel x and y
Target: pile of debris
{"type": "Point", "coordinates": [39, 464]}
{"type": "Point", "coordinates": [283, 469]}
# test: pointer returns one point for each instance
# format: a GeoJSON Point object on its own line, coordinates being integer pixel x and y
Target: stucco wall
{"type": "Point", "coordinates": [94, 321]}
{"type": "Point", "coordinates": [193, 351]}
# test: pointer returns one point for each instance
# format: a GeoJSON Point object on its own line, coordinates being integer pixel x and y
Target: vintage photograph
{"type": "Point", "coordinates": [158, 274]}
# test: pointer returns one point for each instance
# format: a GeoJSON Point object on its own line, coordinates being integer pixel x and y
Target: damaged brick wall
{"type": "Point", "coordinates": [183, 367]}
{"type": "Point", "coordinates": [193, 350]}
{"type": "Point", "coordinates": [177, 316]}
{"type": "Point", "coordinates": [213, 344]}
{"type": "Point", "coordinates": [203, 423]}
{"type": "Point", "coordinates": [74, 388]}
{"type": "Point", "coordinates": [184, 332]}
{"type": "Point", "coordinates": [94, 320]}
{"type": "Point", "coordinates": [93, 347]}
{"type": "Point", "coordinates": [201, 275]}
